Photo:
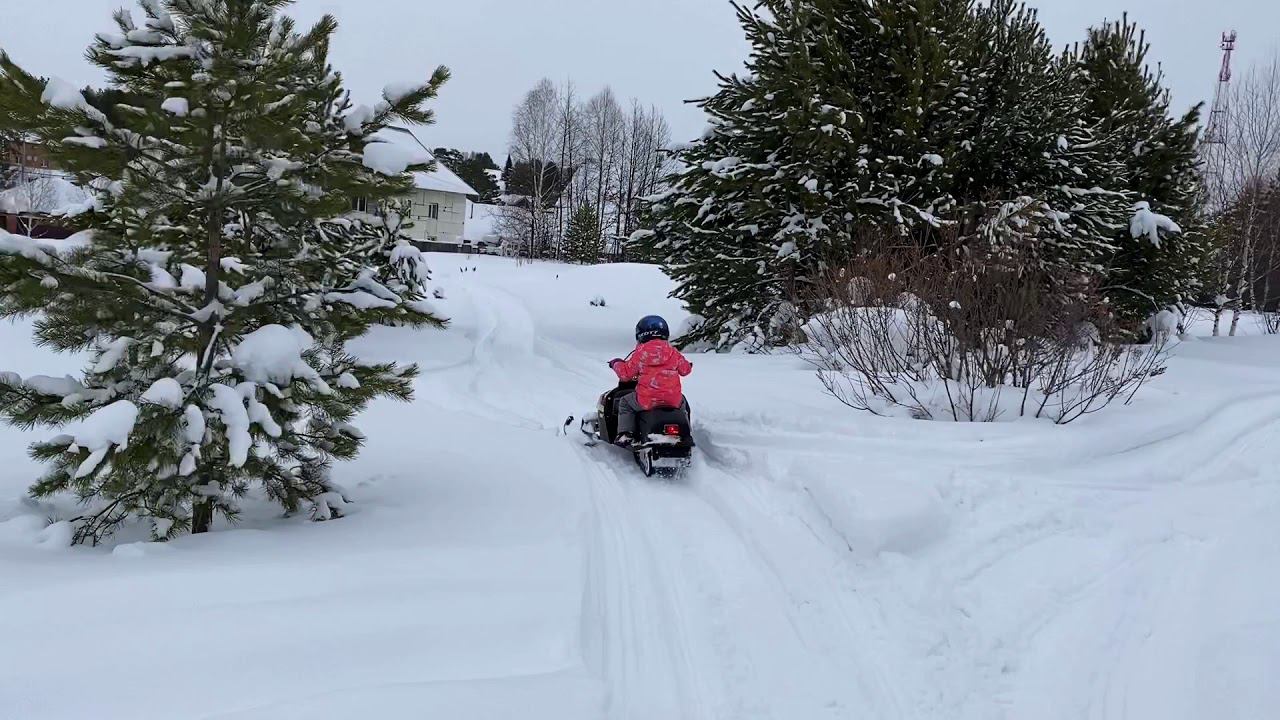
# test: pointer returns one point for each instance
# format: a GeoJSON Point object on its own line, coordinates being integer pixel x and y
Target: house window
{"type": "Point", "coordinates": [433, 211]}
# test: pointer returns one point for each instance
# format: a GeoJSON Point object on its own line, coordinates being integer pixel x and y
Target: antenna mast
{"type": "Point", "coordinates": [1217, 132]}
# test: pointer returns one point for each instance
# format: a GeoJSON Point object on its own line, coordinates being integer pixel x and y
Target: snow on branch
{"type": "Point", "coordinates": [273, 354]}
{"type": "Point", "coordinates": [59, 93]}
{"type": "Point", "coordinates": [1147, 223]}
{"type": "Point", "coordinates": [394, 92]}
{"type": "Point", "coordinates": [107, 426]}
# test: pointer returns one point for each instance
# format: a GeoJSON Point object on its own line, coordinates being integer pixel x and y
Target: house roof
{"type": "Point", "coordinates": [441, 179]}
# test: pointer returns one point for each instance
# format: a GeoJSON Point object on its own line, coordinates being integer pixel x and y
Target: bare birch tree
{"type": "Point", "coordinates": [570, 131]}
{"type": "Point", "coordinates": [605, 127]}
{"type": "Point", "coordinates": [1250, 162]}
{"type": "Point", "coordinates": [535, 142]}
{"type": "Point", "coordinates": [583, 154]}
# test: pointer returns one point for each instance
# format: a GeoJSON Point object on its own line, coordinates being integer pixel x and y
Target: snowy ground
{"type": "Point", "coordinates": [815, 563]}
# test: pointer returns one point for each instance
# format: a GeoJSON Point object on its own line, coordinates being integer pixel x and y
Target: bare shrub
{"type": "Point", "coordinates": [970, 335]}
{"type": "Point", "coordinates": [1271, 322]}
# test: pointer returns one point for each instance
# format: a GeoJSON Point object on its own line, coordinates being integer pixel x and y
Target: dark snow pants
{"type": "Point", "coordinates": [628, 406]}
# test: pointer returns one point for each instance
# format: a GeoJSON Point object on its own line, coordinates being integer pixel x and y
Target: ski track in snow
{"type": "Point", "coordinates": [812, 564]}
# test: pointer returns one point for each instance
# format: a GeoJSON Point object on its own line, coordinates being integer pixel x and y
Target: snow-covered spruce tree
{"type": "Point", "coordinates": [582, 240]}
{"type": "Point", "coordinates": [222, 270]}
{"type": "Point", "coordinates": [893, 118]}
{"type": "Point", "coordinates": [1127, 103]}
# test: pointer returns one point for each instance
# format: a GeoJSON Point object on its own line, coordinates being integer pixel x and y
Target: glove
{"type": "Point", "coordinates": [615, 361]}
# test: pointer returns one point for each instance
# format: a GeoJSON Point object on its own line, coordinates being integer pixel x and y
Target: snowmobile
{"type": "Point", "coordinates": [663, 442]}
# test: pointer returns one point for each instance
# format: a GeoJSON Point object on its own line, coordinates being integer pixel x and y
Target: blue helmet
{"type": "Point", "coordinates": [650, 327]}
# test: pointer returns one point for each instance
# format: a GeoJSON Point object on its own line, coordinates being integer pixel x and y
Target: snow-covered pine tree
{"type": "Point", "coordinates": [1127, 103]}
{"type": "Point", "coordinates": [222, 270]}
{"type": "Point", "coordinates": [582, 240]}
{"type": "Point", "coordinates": [896, 120]}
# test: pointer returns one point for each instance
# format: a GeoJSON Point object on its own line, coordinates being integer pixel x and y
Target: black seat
{"type": "Point", "coordinates": [653, 422]}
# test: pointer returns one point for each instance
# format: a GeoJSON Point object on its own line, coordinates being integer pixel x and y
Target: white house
{"type": "Point", "coordinates": [438, 204]}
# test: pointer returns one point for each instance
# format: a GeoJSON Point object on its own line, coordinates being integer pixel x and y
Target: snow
{"type": "Point", "coordinates": [95, 143]}
{"type": "Point", "coordinates": [397, 147]}
{"type": "Point", "coordinates": [176, 106]}
{"type": "Point", "coordinates": [193, 424]}
{"type": "Point", "coordinates": [251, 291]}
{"type": "Point", "coordinates": [45, 194]}
{"type": "Point", "coordinates": [1148, 224]}
{"type": "Point", "coordinates": [390, 159]}
{"type": "Point", "coordinates": [360, 299]}
{"type": "Point", "coordinates": [28, 248]}
{"type": "Point", "coordinates": [273, 354]}
{"type": "Point", "coordinates": [148, 54]}
{"type": "Point", "coordinates": [111, 354]}
{"type": "Point", "coordinates": [814, 563]}
{"type": "Point", "coordinates": [107, 426]}
{"type": "Point", "coordinates": [193, 278]}
{"type": "Point", "coordinates": [395, 92]}
{"type": "Point", "coordinates": [165, 392]}
{"type": "Point", "coordinates": [723, 165]}
{"type": "Point", "coordinates": [63, 95]}
{"type": "Point", "coordinates": [229, 404]}
{"type": "Point", "coordinates": [355, 120]}
{"type": "Point", "coordinates": [480, 224]}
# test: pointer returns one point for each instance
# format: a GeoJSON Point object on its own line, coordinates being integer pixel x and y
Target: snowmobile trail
{"type": "Point", "coordinates": [742, 644]}
{"type": "Point", "coordinates": [684, 613]}
{"type": "Point", "coordinates": [633, 631]}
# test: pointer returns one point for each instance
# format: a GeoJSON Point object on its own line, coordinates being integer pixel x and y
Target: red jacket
{"type": "Point", "coordinates": [657, 367]}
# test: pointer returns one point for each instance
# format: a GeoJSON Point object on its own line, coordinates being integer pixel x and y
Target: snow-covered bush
{"type": "Point", "coordinates": [1165, 324]}
{"type": "Point", "coordinates": [969, 336]}
{"type": "Point", "coordinates": [598, 301]}
{"type": "Point", "coordinates": [222, 271]}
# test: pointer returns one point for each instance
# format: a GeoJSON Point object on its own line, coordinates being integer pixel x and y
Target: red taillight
{"type": "Point", "coordinates": [671, 430]}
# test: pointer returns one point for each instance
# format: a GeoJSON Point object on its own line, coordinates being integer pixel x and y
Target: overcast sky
{"type": "Point", "coordinates": [659, 51]}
